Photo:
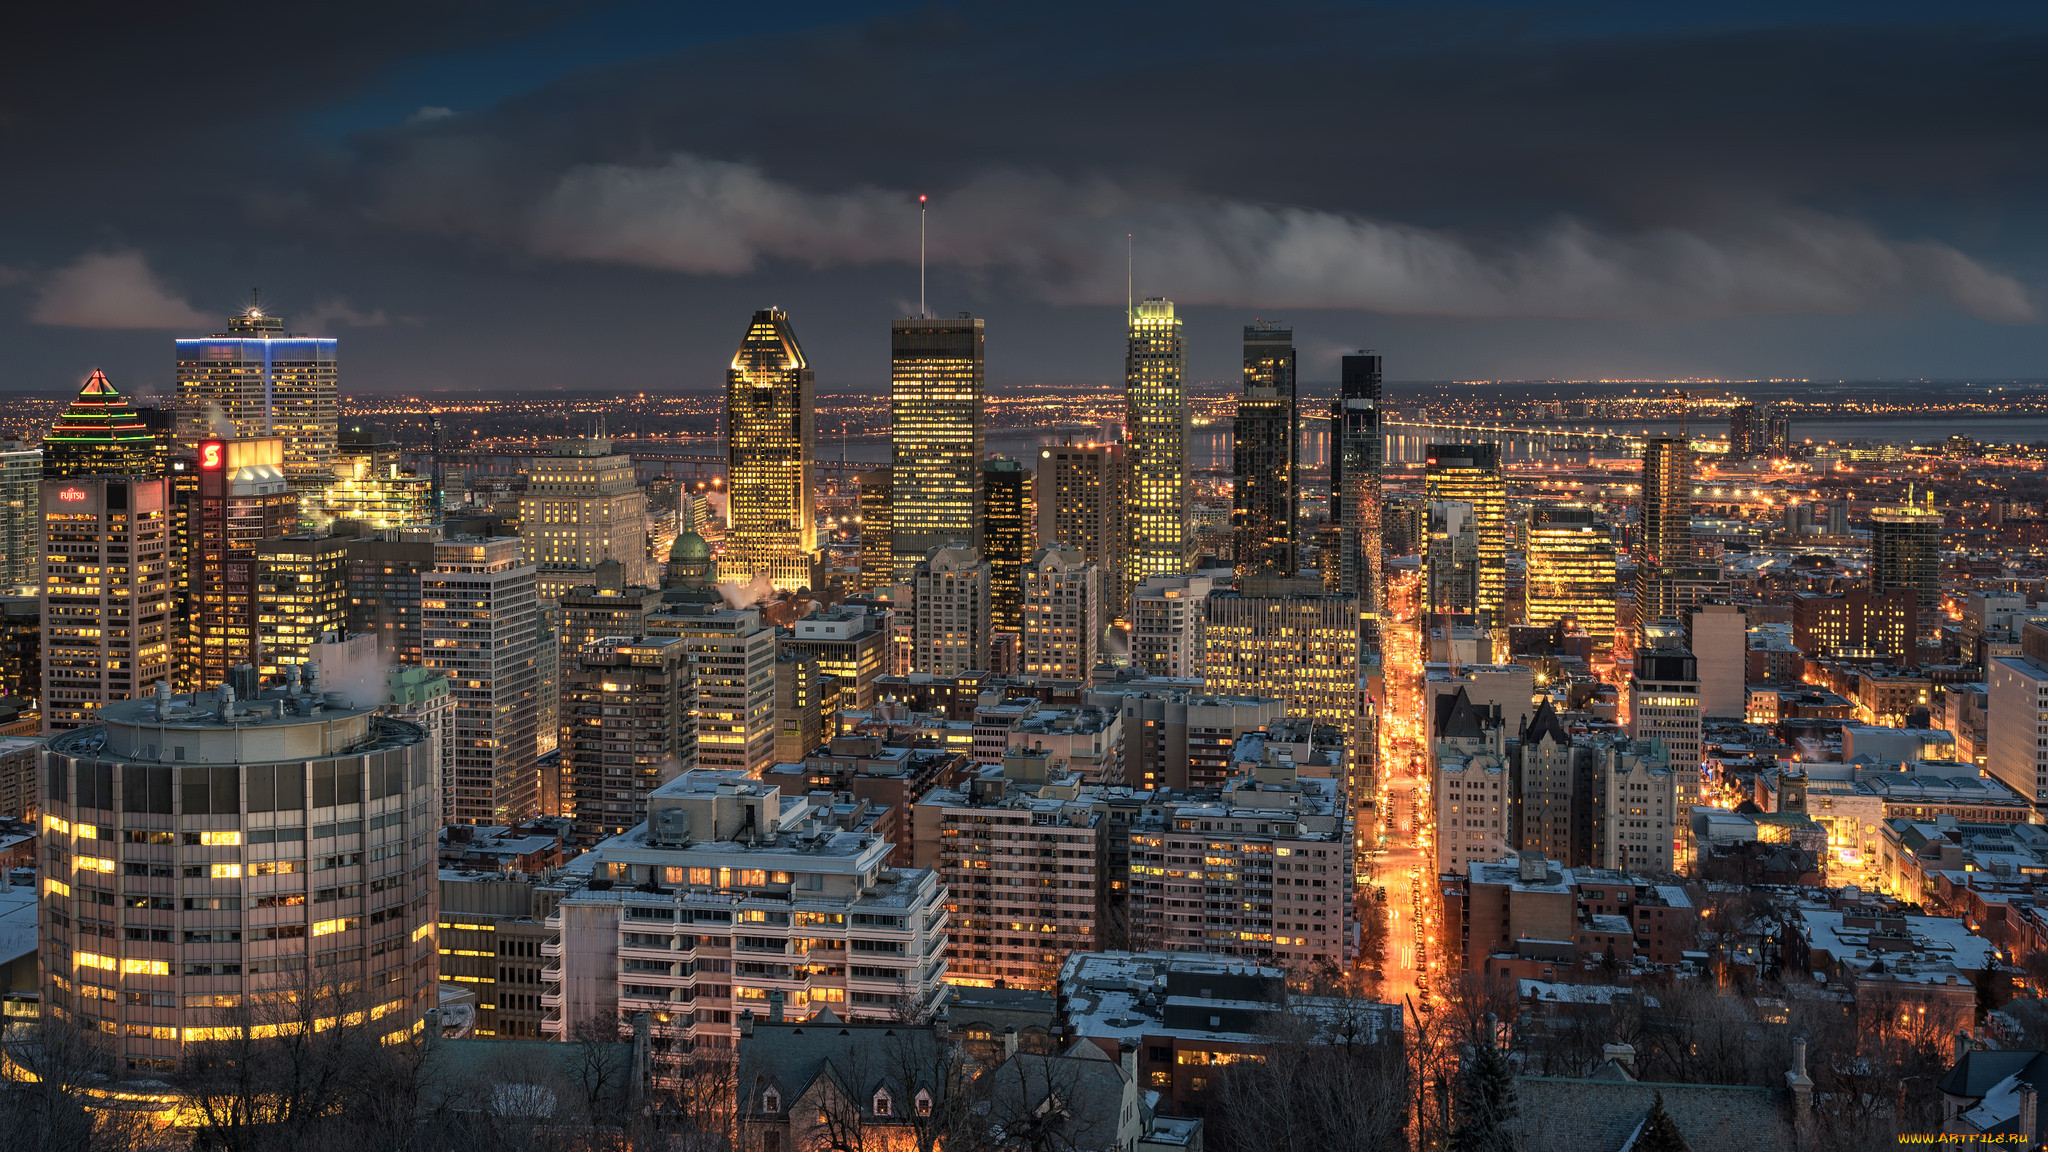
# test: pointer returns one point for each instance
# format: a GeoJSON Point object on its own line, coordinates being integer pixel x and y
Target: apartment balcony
{"type": "Point", "coordinates": [551, 1024]}
{"type": "Point", "coordinates": [551, 975]}
{"type": "Point", "coordinates": [552, 999]}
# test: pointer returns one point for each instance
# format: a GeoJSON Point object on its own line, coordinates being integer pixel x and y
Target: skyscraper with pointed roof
{"type": "Point", "coordinates": [100, 434]}
{"type": "Point", "coordinates": [771, 445]}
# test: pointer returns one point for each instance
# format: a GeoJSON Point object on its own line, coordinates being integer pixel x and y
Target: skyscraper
{"type": "Point", "coordinates": [1471, 473]}
{"type": "Point", "coordinates": [733, 653]}
{"type": "Point", "coordinates": [1155, 427]}
{"type": "Point", "coordinates": [582, 507]}
{"type": "Point", "coordinates": [1905, 552]}
{"type": "Point", "coordinates": [1748, 432]}
{"type": "Point", "coordinates": [372, 486]}
{"type": "Point", "coordinates": [242, 500]}
{"type": "Point", "coordinates": [1264, 464]}
{"type": "Point", "coordinates": [301, 595]}
{"type": "Point", "coordinates": [1357, 454]}
{"type": "Point", "coordinates": [106, 594]}
{"type": "Point", "coordinates": [21, 521]}
{"type": "Point", "coordinates": [1006, 530]}
{"type": "Point", "coordinates": [1080, 499]}
{"type": "Point", "coordinates": [951, 626]}
{"type": "Point", "coordinates": [1570, 572]}
{"type": "Point", "coordinates": [190, 819]}
{"type": "Point", "coordinates": [1285, 639]}
{"type": "Point", "coordinates": [771, 442]}
{"type": "Point", "coordinates": [100, 434]}
{"type": "Point", "coordinates": [1062, 615]}
{"type": "Point", "coordinates": [628, 728]}
{"type": "Point", "coordinates": [877, 530]}
{"type": "Point", "coordinates": [1665, 543]}
{"type": "Point", "coordinates": [479, 623]}
{"type": "Point", "coordinates": [935, 435]}
{"type": "Point", "coordinates": [264, 383]}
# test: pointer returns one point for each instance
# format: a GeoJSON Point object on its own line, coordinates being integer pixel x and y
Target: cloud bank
{"type": "Point", "coordinates": [1062, 241]}
{"type": "Point", "coordinates": [114, 289]}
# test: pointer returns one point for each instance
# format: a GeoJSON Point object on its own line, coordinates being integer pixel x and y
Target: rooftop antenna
{"type": "Point", "coordinates": [923, 312]}
{"type": "Point", "coordinates": [256, 301]}
{"type": "Point", "coordinates": [1130, 278]}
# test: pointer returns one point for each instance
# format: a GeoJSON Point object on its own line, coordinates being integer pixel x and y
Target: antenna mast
{"type": "Point", "coordinates": [922, 311]}
{"type": "Point", "coordinates": [1130, 277]}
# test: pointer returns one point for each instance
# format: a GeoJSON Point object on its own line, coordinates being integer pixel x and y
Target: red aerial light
{"type": "Point", "coordinates": [70, 495]}
{"type": "Point", "coordinates": [212, 454]}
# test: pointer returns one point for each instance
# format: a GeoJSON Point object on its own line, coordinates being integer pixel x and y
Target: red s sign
{"type": "Point", "coordinates": [211, 454]}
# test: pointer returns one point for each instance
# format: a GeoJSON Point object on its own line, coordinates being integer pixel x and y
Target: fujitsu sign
{"type": "Point", "coordinates": [71, 495]}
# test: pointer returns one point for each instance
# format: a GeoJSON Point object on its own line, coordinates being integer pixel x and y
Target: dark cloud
{"type": "Point", "coordinates": [1450, 176]}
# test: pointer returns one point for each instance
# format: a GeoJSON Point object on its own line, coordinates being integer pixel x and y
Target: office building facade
{"type": "Point", "coordinates": [732, 653]}
{"type": "Point", "coordinates": [1570, 572]}
{"type": "Point", "coordinates": [1357, 457]}
{"type": "Point", "coordinates": [21, 520]}
{"type": "Point", "coordinates": [106, 626]}
{"type": "Point", "coordinates": [275, 864]}
{"type": "Point", "coordinates": [1167, 615]}
{"type": "Point", "coordinates": [1905, 552]}
{"type": "Point", "coordinates": [950, 629]}
{"type": "Point", "coordinates": [935, 436]}
{"type": "Point", "coordinates": [1006, 530]}
{"type": "Point", "coordinates": [1079, 494]}
{"type": "Point", "coordinates": [1062, 615]}
{"type": "Point", "coordinates": [877, 529]}
{"type": "Point", "coordinates": [582, 506]}
{"type": "Point", "coordinates": [1156, 431]}
{"type": "Point", "coordinates": [771, 446]}
{"type": "Point", "coordinates": [480, 624]}
{"type": "Point", "coordinates": [1664, 546]}
{"type": "Point", "coordinates": [1470, 474]}
{"type": "Point", "coordinates": [1265, 472]}
{"type": "Point", "coordinates": [301, 595]}
{"type": "Point", "coordinates": [243, 498]}
{"type": "Point", "coordinates": [1287, 639]}
{"type": "Point", "coordinates": [264, 383]}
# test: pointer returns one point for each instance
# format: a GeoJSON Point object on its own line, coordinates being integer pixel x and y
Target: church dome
{"type": "Point", "coordinates": [689, 546]}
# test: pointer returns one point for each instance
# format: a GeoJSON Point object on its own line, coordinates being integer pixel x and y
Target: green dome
{"type": "Point", "coordinates": [689, 546]}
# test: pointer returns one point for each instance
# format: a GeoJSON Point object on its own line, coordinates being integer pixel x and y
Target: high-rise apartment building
{"type": "Point", "coordinates": [1570, 572]}
{"type": "Point", "coordinates": [1905, 552]}
{"type": "Point", "coordinates": [479, 623]}
{"type": "Point", "coordinates": [935, 436]}
{"type": "Point", "coordinates": [1665, 543]}
{"type": "Point", "coordinates": [605, 610]}
{"type": "Point", "coordinates": [243, 499]}
{"type": "Point", "coordinates": [1471, 473]}
{"type": "Point", "coordinates": [105, 594]}
{"type": "Point", "coordinates": [735, 898]}
{"type": "Point", "coordinates": [950, 630]}
{"type": "Point", "coordinates": [221, 864]}
{"type": "Point", "coordinates": [1664, 705]}
{"type": "Point", "coordinates": [301, 595]}
{"type": "Point", "coordinates": [1452, 558]}
{"type": "Point", "coordinates": [1265, 471]}
{"type": "Point", "coordinates": [372, 485]}
{"type": "Point", "coordinates": [1263, 870]}
{"type": "Point", "coordinates": [771, 445]}
{"type": "Point", "coordinates": [1006, 530]}
{"type": "Point", "coordinates": [1062, 615]}
{"type": "Point", "coordinates": [384, 591]}
{"type": "Point", "coordinates": [21, 521]}
{"type": "Point", "coordinates": [1288, 639]}
{"type": "Point", "coordinates": [2016, 755]}
{"type": "Point", "coordinates": [1156, 430]}
{"type": "Point", "coordinates": [264, 383]}
{"type": "Point", "coordinates": [877, 530]}
{"type": "Point", "coordinates": [627, 728]}
{"type": "Point", "coordinates": [1357, 456]}
{"type": "Point", "coordinates": [101, 434]}
{"type": "Point", "coordinates": [1080, 504]}
{"type": "Point", "coordinates": [1166, 622]}
{"type": "Point", "coordinates": [582, 507]}
{"type": "Point", "coordinates": [1639, 807]}
{"type": "Point", "coordinates": [733, 655]}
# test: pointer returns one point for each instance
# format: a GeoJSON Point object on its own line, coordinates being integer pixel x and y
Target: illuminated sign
{"type": "Point", "coordinates": [211, 454]}
{"type": "Point", "coordinates": [71, 495]}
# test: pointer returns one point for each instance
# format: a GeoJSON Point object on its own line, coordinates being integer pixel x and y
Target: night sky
{"type": "Point", "coordinates": [486, 196]}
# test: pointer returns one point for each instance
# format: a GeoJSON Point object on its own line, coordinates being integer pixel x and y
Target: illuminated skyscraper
{"type": "Point", "coordinates": [628, 728]}
{"type": "Point", "coordinates": [1062, 615]}
{"type": "Point", "coordinates": [301, 595]}
{"type": "Point", "coordinates": [100, 434]}
{"type": "Point", "coordinates": [1570, 572]}
{"type": "Point", "coordinates": [21, 520]}
{"type": "Point", "coordinates": [1665, 544]}
{"type": "Point", "coordinates": [582, 507]}
{"type": "Point", "coordinates": [1264, 464]}
{"type": "Point", "coordinates": [1905, 552]}
{"type": "Point", "coordinates": [1080, 505]}
{"type": "Point", "coordinates": [771, 439]}
{"type": "Point", "coordinates": [1155, 427]}
{"type": "Point", "coordinates": [877, 531]}
{"type": "Point", "coordinates": [951, 628]}
{"type": "Point", "coordinates": [106, 594]}
{"type": "Point", "coordinates": [1006, 530]}
{"type": "Point", "coordinates": [1288, 640]}
{"type": "Point", "coordinates": [935, 435]}
{"type": "Point", "coordinates": [480, 624]}
{"type": "Point", "coordinates": [1357, 454]}
{"type": "Point", "coordinates": [1471, 473]}
{"type": "Point", "coordinates": [243, 499]}
{"type": "Point", "coordinates": [264, 383]}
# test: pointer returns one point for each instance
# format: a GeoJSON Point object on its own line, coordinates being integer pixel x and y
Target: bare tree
{"type": "Point", "coordinates": [50, 1109]}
